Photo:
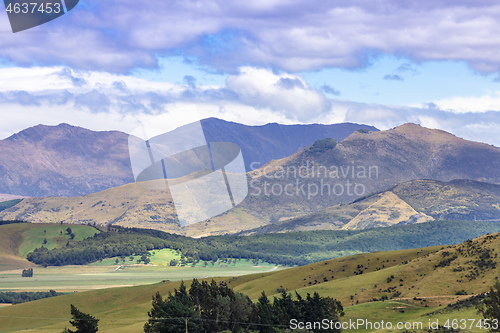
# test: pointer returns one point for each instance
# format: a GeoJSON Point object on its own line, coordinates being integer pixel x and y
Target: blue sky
{"type": "Point", "coordinates": [110, 64]}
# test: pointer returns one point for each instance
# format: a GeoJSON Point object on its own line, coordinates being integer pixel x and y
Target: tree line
{"type": "Point", "coordinates": [293, 248]}
{"type": "Point", "coordinates": [13, 297]}
{"type": "Point", "coordinates": [212, 307]}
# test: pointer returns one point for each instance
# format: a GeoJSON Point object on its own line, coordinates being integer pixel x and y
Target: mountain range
{"type": "Point", "coordinates": [384, 175]}
{"type": "Point", "coordinates": [66, 160]}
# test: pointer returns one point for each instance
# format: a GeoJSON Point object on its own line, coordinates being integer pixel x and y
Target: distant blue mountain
{"type": "Point", "coordinates": [261, 144]}
{"type": "Point", "coordinates": [66, 160]}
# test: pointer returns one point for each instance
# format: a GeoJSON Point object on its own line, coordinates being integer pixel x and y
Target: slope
{"type": "Point", "coordinates": [407, 203]}
{"type": "Point", "coordinates": [422, 277]}
{"type": "Point", "coordinates": [363, 163]}
{"type": "Point", "coordinates": [63, 160]}
{"type": "Point", "coordinates": [17, 239]}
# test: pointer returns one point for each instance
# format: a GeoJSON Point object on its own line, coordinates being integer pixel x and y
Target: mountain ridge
{"type": "Point", "coordinates": [67, 160]}
{"type": "Point", "coordinates": [411, 202]}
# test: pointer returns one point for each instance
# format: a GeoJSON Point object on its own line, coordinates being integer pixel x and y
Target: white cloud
{"type": "Point", "coordinates": [487, 102]}
{"type": "Point", "coordinates": [283, 93]}
{"type": "Point", "coordinates": [103, 101]}
{"type": "Point", "coordinates": [482, 127]}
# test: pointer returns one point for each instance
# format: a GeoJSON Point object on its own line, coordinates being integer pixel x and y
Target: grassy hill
{"type": "Point", "coordinates": [411, 202]}
{"type": "Point", "coordinates": [17, 239]}
{"type": "Point", "coordinates": [418, 284]}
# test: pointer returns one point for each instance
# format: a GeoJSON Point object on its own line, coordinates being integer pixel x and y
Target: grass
{"type": "Point", "coordinates": [425, 288]}
{"type": "Point", "coordinates": [9, 203]}
{"type": "Point", "coordinates": [56, 235]}
{"type": "Point", "coordinates": [72, 278]}
{"type": "Point", "coordinates": [125, 310]}
{"type": "Point", "coordinates": [417, 318]}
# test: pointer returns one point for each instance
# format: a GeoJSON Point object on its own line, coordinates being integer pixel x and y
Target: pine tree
{"type": "Point", "coordinates": [83, 322]}
{"type": "Point", "coordinates": [266, 314]}
{"type": "Point", "coordinates": [491, 306]}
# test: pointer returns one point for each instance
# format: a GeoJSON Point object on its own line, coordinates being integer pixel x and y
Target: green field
{"type": "Point", "coordinates": [425, 287]}
{"type": "Point", "coordinates": [78, 278]}
{"type": "Point", "coordinates": [55, 235]}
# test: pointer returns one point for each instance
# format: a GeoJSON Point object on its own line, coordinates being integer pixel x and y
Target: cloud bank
{"type": "Point", "coordinates": [299, 35]}
{"type": "Point", "coordinates": [253, 96]}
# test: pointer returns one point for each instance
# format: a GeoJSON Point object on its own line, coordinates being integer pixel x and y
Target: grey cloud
{"type": "Point", "coordinates": [190, 81]}
{"type": "Point", "coordinates": [68, 74]}
{"type": "Point", "coordinates": [120, 85]}
{"type": "Point", "coordinates": [157, 101]}
{"type": "Point", "coordinates": [58, 98]}
{"type": "Point", "coordinates": [407, 68]}
{"type": "Point", "coordinates": [22, 97]}
{"type": "Point", "coordinates": [329, 90]}
{"type": "Point", "coordinates": [131, 104]}
{"type": "Point", "coordinates": [393, 77]}
{"type": "Point", "coordinates": [94, 101]}
{"type": "Point", "coordinates": [287, 83]}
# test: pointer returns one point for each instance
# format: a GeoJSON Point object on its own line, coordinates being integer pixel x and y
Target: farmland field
{"type": "Point", "coordinates": [79, 278]}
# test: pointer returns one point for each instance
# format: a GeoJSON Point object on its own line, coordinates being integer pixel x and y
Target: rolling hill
{"type": "Point", "coordinates": [18, 239]}
{"type": "Point", "coordinates": [416, 283]}
{"type": "Point", "coordinates": [411, 202]}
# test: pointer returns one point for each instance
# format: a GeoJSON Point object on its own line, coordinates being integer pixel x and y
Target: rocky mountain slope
{"type": "Point", "coordinates": [407, 203]}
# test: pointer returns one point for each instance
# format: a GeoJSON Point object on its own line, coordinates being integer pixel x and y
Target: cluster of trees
{"type": "Point", "coordinates": [27, 272]}
{"type": "Point", "coordinates": [216, 307]}
{"type": "Point", "coordinates": [11, 297]}
{"type": "Point", "coordinates": [323, 145]}
{"type": "Point", "coordinates": [490, 308]}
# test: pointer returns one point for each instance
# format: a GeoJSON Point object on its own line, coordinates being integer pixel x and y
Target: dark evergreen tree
{"type": "Point", "coordinates": [490, 308]}
{"type": "Point", "coordinates": [83, 322]}
{"type": "Point", "coordinates": [172, 315]}
{"type": "Point", "coordinates": [266, 314]}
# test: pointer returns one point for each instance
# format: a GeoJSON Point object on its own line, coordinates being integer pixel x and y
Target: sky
{"type": "Point", "coordinates": [113, 64]}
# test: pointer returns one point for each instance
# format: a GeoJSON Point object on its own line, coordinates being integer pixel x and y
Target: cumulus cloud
{"type": "Point", "coordinates": [282, 93]}
{"type": "Point", "coordinates": [463, 104]}
{"type": "Point", "coordinates": [252, 96]}
{"type": "Point", "coordinates": [120, 35]}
